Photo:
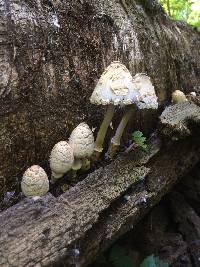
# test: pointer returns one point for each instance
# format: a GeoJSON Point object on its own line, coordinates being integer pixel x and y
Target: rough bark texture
{"type": "Point", "coordinates": [189, 224]}
{"type": "Point", "coordinates": [53, 52]}
{"type": "Point", "coordinates": [95, 212]}
{"type": "Point", "coordinates": [175, 120]}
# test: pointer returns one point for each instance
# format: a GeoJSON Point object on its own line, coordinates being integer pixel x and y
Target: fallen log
{"type": "Point", "coordinates": [53, 52]}
{"type": "Point", "coordinates": [76, 226]}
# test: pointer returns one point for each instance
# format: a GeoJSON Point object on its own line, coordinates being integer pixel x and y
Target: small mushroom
{"type": "Point", "coordinates": [146, 99]}
{"type": "Point", "coordinates": [61, 159]}
{"type": "Point", "coordinates": [178, 97]}
{"type": "Point", "coordinates": [115, 87]}
{"type": "Point", "coordinates": [193, 94]}
{"type": "Point", "coordinates": [35, 182]}
{"type": "Point", "coordinates": [82, 142]}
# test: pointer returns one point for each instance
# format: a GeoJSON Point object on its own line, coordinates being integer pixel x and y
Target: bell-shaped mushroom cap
{"type": "Point", "coordinates": [147, 96]}
{"type": "Point", "coordinates": [178, 97]}
{"type": "Point", "coordinates": [115, 86]}
{"type": "Point", "coordinates": [82, 141]}
{"type": "Point", "coordinates": [61, 158]}
{"type": "Point", "coordinates": [35, 182]}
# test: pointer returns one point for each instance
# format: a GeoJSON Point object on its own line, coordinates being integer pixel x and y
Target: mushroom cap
{"type": "Point", "coordinates": [35, 182]}
{"type": "Point", "coordinates": [178, 97]}
{"type": "Point", "coordinates": [147, 97]}
{"type": "Point", "coordinates": [82, 141]}
{"type": "Point", "coordinates": [115, 86]}
{"type": "Point", "coordinates": [61, 157]}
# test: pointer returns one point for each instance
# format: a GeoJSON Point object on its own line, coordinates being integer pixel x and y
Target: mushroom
{"type": "Point", "coordinates": [35, 182]}
{"type": "Point", "coordinates": [178, 97]}
{"type": "Point", "coordinates": [193, 94]}
{"type": "Point", "coordinates": [146, 99]}
{"type": "Point", "coordinates": [82, 142]}
{"type": "Point", "coordinates": [147, 96]}
{"type": "Point", "coordinates": [61, 159]}
{"type": "Point", "coordinates": [115, 87]}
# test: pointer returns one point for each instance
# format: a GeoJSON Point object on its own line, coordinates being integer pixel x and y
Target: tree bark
{"type": "Point", "coordinates": [52, 54]}
{"type": "Point", "coordinates": [73, 228]}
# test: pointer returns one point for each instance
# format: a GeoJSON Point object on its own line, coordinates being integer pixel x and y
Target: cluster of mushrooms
{"type": "Point", "coordinates": [64, 156]}
{"type": "Point", "coordinates": [116, 87]}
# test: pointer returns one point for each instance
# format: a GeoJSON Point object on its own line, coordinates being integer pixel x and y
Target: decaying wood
{"type": "Point", "coordinates": [175, 119]}
{"type": "Point", "coordinates": [53, 52]}
{"type": "Point", "coordinates": [188, 223]}
{"type": "Point", "coordinates": [74, 227]}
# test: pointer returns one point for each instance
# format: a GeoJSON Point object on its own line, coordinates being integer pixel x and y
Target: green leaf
{"type": "Point", "coordinates": [148, 262]}
{"type": "Point", "coordinates": [152, 261]}
{"type": "Point", "coordinates": [139, 140]}
{"type": "Point", "coordinates": [119, 258]}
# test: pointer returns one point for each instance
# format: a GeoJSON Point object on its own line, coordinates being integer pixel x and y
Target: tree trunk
{"type": "Point", "coordinates": [52, 54]}
{"type": "Point", "coordinates": [75, 227]}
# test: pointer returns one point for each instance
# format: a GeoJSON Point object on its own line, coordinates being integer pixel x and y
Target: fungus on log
{"type": "Point", "coordinates": [95, 212]}
{"type": "Point", "coordinates": [52, 53]}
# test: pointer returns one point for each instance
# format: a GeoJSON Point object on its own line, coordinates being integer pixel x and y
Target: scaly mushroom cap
{"type": "Point", "coordinates": [35, 182]}
{"type": "Point", "coordinates": [147, 97]}
{"type": "Point", "coordinates": [61, 158]}
{"type": "Point", "coordinates": [178, 97]}
{"type": "Point", "coordinates": [115, 86]}
{"type": "Point", "coordinates": [82, 141]}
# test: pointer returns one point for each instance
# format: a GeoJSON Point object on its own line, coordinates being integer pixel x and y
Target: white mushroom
{"type": "Point", "coordinates": [61, 159]}
{"type": "Point", "coordinates": [82, 142]}
{"type": "Point", "coordinates": [193, 94]}
{"type": "Point", "coordinates": [147, 95]}
{"type": "Point", "coordinates": [115, 87]}
{"type": "Point", "coordinates": [35, 182]}
{"type": "Point", "coordinates": [145, 99]}
{"type": "Point", "coordinates": [178, 97]}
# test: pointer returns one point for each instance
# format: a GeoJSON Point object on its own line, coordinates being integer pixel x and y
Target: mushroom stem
{"type": "Point", "coordinates": [55, 176]}
{"type": "Point", "coordinates": [75, 167]}
{"type": "Point", "coordinates": [115, 141]}
{"type": "Point", "coordinates": [85, 164]}
{"type": "Point", "coordinates": [102, 131]}
{"type": "Point", "coordinates": [76, 164]}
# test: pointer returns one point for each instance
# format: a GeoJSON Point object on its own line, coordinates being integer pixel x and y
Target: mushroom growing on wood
{"type": "Point", "coordinates": [35, 182]}
{"type": "Point", "coordinates": [61, 159]}
{"type": "Point", "coordinates": [82, 142]}
{"type": "Point", "coordinates": [178, 97]}
{"type": "Point", "coordinates": [147, 95]}
{"type": "Point", "coordinates": [115, 87]}
{"type": "Point", "coordinates": [146, 99]}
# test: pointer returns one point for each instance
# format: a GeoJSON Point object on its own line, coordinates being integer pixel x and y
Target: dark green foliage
{"type": "Point", "coordinates": [139, 140]}
{"type": "Point", "coordinates": [119, 258]}
{"type": "Point", "coordinates": [152, 261]}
